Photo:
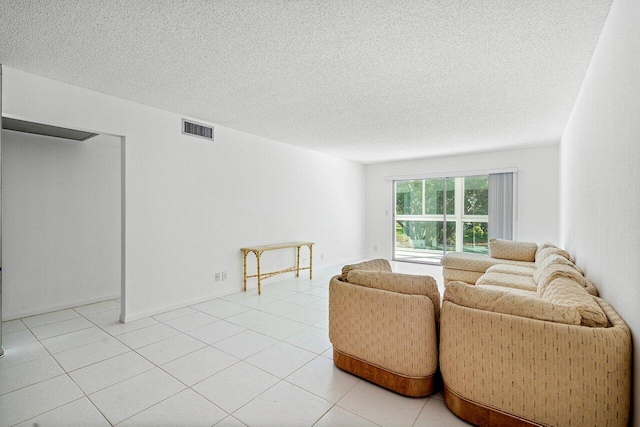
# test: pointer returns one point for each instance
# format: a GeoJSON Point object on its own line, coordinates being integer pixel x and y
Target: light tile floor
{"type": "Point", "coordinates": [242, 359]}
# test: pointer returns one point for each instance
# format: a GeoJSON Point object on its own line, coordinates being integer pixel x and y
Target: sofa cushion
{"type": "Point", "coordinates": [567, 292]}
{"type": "Point", "coordinates": [543, 253]}
{"type": "Point", "coordinates": [515, 291]}
{"type": "Point", "coordinates": [512, 269]}
{"type": "Point", "coordinates": [590, 287]}
{"type": "Point", "coordinates": [548, 261]}
{"type": "Point", "coordinates": [509, 301]}
{"type": "Point", "coordinates": [508, 280]}
{"type": "Point", "coordinates": [509, 249]}
{"type": "Point", "coordinates": [544, 245]}
{"type": "Point", "coordinates": [570, 271]}
{"type": "Point", "coordinates": [467, 262]}
{"type": "Point", "coordinates": [452, 274]}
{"type": "Point", "coordinates": [555, 271]}
{"type": "Point", "coordinates": [476, 262]}
{"type": "Point", "coordinates": [373, 265]}
{"type": "Point", "coordinates": [409, 284]}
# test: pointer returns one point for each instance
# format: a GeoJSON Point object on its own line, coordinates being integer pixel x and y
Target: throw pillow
{"type": "Point", "coordinates": [508, 249]}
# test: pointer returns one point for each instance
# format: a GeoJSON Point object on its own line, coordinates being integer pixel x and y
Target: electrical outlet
{"type": "Point", "coordinates": [224, 276]}
{"type": "Point", "coordinates": [217, 277]}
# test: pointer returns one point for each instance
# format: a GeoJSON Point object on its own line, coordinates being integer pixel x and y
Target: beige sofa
{"type": "Point", "coordinates": [552, 355]}
{"type": "Point", "coordinates": [384, 327]}
{"type": "Point", "coordinates": [519, 265]}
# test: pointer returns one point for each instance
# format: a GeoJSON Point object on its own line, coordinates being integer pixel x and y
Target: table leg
{"type": "Point", "coordinates": [310, 262]}
{"type": "Point", "coordinates": [244, 271]}
{"type": "Point", "coordinates": [258, 253]}
{"type": "Point", "coordinates": [298, 261]}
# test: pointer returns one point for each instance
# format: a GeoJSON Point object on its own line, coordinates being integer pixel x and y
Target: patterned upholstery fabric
{"type": "Point", "coordinates": [508, 280]}
{"type": "Point", "coordinates": [390, 330]}
{"type": "Point", "coordinates": [554, 271]}
{"type": "Point", "coordinates": [511, 269]}
{"type": "Point", "coordinates": [570, 293]}
{"type": "Point", "coordinates": [518, 303]}
{"type": "Point", "coordinates": [467, 261]}
{"type": "Point", "coordinates": [549, 373]}
{"type": "Point", "coordinates": [513, 291]}
{"type": "Point", "coordinates": [468, 267]}
{"type": "Point", "coordinates": [544, 246]}
{"type": "Point", "coordinates": [543, 253]}
{"type": "Point", "coordinates": [590, 287]}
{"type": "Point", "coordinates": [408, 284]}
{"type": "Point", "coordinates": [476, 262]}
{"type": "Point", "coordinates": [451, 274]}
{"type": "Point", "coordinates": [509, 249]}
{"type": "Point", "coordinates": [549, 260]}
{"type": "Point", "coordinates": [375, 265]}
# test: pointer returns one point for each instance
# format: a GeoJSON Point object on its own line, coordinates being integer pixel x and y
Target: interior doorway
{"type": "Point", "coordinates": [63, 203]}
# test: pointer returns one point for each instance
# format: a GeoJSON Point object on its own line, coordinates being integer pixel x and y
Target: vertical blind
{"type": "Point", "coordinates": [501, 205]}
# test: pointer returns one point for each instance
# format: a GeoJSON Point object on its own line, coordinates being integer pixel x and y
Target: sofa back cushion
{"type": "Point", "coordinates": [373, 265]}
{"type": "Point", "coordinates": [544, 245]}
{"type": "Point", "coordinates": [509, 249]}
{"type": "Point", "coordinates": [556, 265]}
{"type": "Point", "coordinates": [547, 262]}
{"type": "Point", "coordinates": [555, 271]}
{"type": "Point", "coordinates": [518, 270]}
{"type": "Point", "coordinates": [508, 281]}
{"type": "Point", "coordinates": [569, 293]}
{"type": "Point", "coordinates": [408, 284]}
{"type": "Point", "coordinates": [514, 302]}
{"type": "Point", "coordinates": [548, 251]}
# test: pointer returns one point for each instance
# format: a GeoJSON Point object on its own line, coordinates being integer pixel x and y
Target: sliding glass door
{"type": "Point", "coordinates": [438, 215]}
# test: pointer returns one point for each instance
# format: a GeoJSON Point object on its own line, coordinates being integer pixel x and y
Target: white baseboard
{"type": "Point", "coordinates": [136, 316]}
{"type": "Point", "coordinates": [130, 317]}
{"type": "Point", "coordinates": [41, 310]}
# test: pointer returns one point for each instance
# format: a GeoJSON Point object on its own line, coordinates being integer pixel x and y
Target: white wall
{"type": "Point", "coordinates": [600, 174]}
{"type": "Point", "coordinates": [191, 204]}
{"type": "Point", "coordinates": [61, 220]}
{"type": "Point", "coordinates": [537, 192]}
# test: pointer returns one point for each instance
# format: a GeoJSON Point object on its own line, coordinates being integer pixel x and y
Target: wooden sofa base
{"type": "Point", "coordinates": [407, 386]}
{"type": "Point", "coordinates": [481, 415]}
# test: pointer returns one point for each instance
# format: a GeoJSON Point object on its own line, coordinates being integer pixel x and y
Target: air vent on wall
{"type": "Point", "coordinates": [196, 129]}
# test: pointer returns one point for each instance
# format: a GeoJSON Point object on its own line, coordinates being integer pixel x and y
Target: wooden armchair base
{"type": "Point", "coordinates": [407, 386]}
{"type": "Point", "coordinates": [479, 415]}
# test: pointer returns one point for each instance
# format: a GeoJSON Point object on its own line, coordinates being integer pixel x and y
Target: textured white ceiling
{"type": "Point", "coordinates": [369, 81]}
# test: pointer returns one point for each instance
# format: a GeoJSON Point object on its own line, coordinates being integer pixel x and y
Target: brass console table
{"type": "Point", "coordinates": [258, 250]}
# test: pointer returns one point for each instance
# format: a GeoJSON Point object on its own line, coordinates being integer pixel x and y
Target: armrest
{"type": "Point", "coordinates": [407, 284]}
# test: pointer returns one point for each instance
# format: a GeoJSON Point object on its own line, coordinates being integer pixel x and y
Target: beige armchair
{"type": "Point", "coordinates": [384, 327]}
{"type": "Point", "coordinates": [511, 357]}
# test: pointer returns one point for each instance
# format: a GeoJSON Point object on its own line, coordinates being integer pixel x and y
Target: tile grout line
{"type": "Point", "coordinates": [257, 308]}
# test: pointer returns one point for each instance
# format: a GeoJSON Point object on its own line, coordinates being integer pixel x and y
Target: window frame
{"type": "Point", "coordinates": [458, 217]}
